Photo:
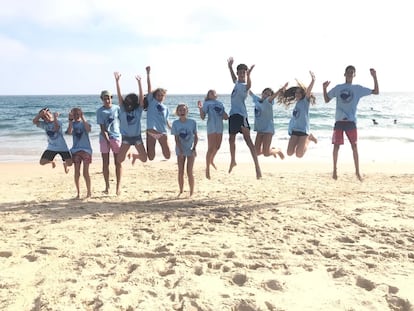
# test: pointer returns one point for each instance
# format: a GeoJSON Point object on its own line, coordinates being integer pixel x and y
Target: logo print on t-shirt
{"type": "Point", "coordinates": [346, 96]}
{"type": "Point", "coordinates": [130, 117]}
{"type": "Point", "coordinates": [218, 110]}
{"type": "Point", "coordinates": [78, 133]}
{"type": "Point", "coordinates": [183, 134]}
{"type": "Point", "coordinates": [296, 113]}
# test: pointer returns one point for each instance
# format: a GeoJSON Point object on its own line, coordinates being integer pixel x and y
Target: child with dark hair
{"type": "Point", "coordinates": [56, 142]}
{"type": "Point", "coordinates": [299, 125]}
{"type": "Point", "coordinates": [131, 108]}
{"type": "Point", "coordinates": [347, 97]}
{"type": "Point", "coordinates": [238, 118]}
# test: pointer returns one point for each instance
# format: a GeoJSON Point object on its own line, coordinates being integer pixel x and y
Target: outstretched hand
{"type": "Point", "coordinates": [117, 75]}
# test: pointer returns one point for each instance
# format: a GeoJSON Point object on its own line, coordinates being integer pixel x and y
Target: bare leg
{"type": "Point", "coordinates": [181, 162]}
{"type": "Point", "coordinates": [293, 142]}
{"type": "Point", "coordinates": [77, 177]}
{"type": "Point", "coordinates": [87, 178]}
{"type": "Point", "coordinates": [150, 147]}
{"type": "Point", "coordinates": [335, 161]}
{"type": "Point", "coordinates": [118, 172]}
{"type": "Point", "coordinates": [105, 170]}
{"type": "Point", "coordinates": [163, 140]}
{"type": "Point", "coordinates": [190, 175]}
{"type": "Point", "coordinates": [232, 141]}
{"type": "Point", "coordinates": [249, 142]}
{"type": "Point", "coordinates": [142, 154]}
{"type": "Point", "coordinates": [356, 160]}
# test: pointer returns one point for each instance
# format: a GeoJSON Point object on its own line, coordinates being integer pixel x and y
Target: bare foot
{"type": "Point", "coordinates": [213, 165]}
{"type": "Point", "coordinates": [232, 164]}
{"type": "Point", "coordinates": [359, 176]}
{"type": "Point", "coordinates": [278, 152]}
{"type": "Point", "coordinates": [65, 167]}
{"type": "Point", "coordinates": [258, 173]}
{"type": "Point", "coordinates": [207, 173]}
{"type": "Point", "coordinates": [88, 195]}
{"type": "Point", "coordinates": [106, 191]}
{"type": "Point", "coordinates": [334, 175]}
{"type": "Point", "coordinates": [313, 138]}
{"type": "Point", "coordinates": [134, 158]}
{"type": "Point", "coordinates": [53, 164]}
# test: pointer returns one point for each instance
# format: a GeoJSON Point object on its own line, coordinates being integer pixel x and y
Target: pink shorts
{"type": "Point", "coordinates": [82, 156]}
{"type": "Point", "coordinates": [114, 145]}
{"type": "Point", "coordinates": [350, 130]}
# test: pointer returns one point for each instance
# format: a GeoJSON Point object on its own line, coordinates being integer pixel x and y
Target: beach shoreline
{"type": "Point", "coordinates": [237, 244]}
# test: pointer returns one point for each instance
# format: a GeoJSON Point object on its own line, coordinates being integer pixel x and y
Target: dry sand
{"type": "Point", "coordinates": [295, 240]}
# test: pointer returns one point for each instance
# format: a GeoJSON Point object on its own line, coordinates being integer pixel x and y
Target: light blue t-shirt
{"type": "Point", "coordinates": [238, 99]}
{"type": "Point", "coordinates": [214, 110]}
{"type": "Point", "coordinates": [300, 117]}
{"type": "Point", "coordinates": [109, 117]}
{"type": "Point", "coordinates": [130, 122]}
{"type": "Point", "coordinates": [80, 136]}
{"type": "Point", "coordinates": [157, 115]}
{"type": "Point", "coordinates": [263, 115]}
{"type": "Point", "coordinates": [186, 132]}
{"type": "Point", "coordinates": [55, 139]}
{"type": "Point", "coordinates": [347, 98]}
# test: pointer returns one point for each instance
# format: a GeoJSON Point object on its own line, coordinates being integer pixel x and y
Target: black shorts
{"type": "Point", "coordinates": [50, 155]}
{"type": "Point", "coordinates": [297, 133]}
{"type": "Point", "coordinates": [236, 122]}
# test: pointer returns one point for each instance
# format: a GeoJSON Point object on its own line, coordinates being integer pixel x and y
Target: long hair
{"type": "Point", "coordinates": [288, 98]}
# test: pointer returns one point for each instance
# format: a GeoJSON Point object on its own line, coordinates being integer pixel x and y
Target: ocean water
{"type": "Point", "coordinates": [392, 139]}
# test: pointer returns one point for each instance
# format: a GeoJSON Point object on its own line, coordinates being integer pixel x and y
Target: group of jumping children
{"type": "Point", "coordinates": [120, 126]}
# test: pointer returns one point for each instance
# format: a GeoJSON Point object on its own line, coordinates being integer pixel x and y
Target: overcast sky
{"type": "Point", "coordinates": [74, 46]}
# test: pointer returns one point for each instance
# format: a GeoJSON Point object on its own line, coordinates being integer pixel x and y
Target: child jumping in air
{"type": "Point", "coordinates": [215, 112]}
{"type": "Point", "coordinates": [299, 125]}
{"type": "Point", "coordinates": [56, 142]}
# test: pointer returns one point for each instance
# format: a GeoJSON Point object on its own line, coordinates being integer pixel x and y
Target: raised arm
{"type": "Point", "coordinates": [148, 69]}
{"type": "Point", "coordinates": [140, 92]}
{"type": "Point", "coordinates": [230, 62]}
{"type": "Point", "coordinates": [310, 86]}
{"type": "Point", "coordinates": [85, 122]}
{"type": "Point", "coordinates": [276, 94]}
{"type": "Point", "coordinates": [249, 81]}
{"type": "Point", "coordinates": [200, 109]}
{"type": "Point", "coordinates": [374, 76]}
{"type": "Point", "coordinates": [325, 92]}
{"type": "Point", "coordinates": [117, 76]}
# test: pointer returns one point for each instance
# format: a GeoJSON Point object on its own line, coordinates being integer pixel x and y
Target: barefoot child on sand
{"type": "Point", "coordinates": [215, 112]}
{"type": "Point", "coordinates": [81, 150]}
{"type": "Point", "coordinates": [299, 125]}
{"type": "Point", "coordinates": [347, 97]}
{"type": "Point", "coordinates": [56, 142]}
{"type": "Point", "coordinates": [107, 116]}
{"type": "Point", "coordinates": [186, 139]}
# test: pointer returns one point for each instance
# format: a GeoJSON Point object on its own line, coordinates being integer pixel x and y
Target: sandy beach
{"type": "Point", "coordinates": [294, 240]}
